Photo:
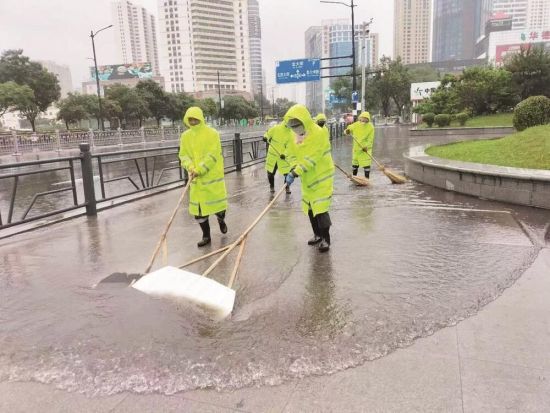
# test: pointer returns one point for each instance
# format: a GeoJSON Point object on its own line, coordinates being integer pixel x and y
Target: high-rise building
{"type": "Point", "coordinates": [314, 49]}
{"type": "Point", "coordinates": [517, 9]}
{"type": "Point", "coordinates": [457, 25]}
{"type": "Point", "coordinates": [333, 39]}
{"type": "Point", "coordinates": [538, 14]}
{"type": "Point", "coordinates": [135, 34]}
{"type": "Point", "coordinates": [255, 39]}
{"type": "Point", "coordinates": [200, 39]}
{"type": "Point", "coordinates": [63, 73]}
{"type": "Point", "coordinates": [411, 32]}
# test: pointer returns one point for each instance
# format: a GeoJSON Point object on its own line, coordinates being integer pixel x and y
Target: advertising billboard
{"type": "Point", "coordinates": [123, 71]}
{"type": "Point", "coordinates": [423, 90]}
{"type": "Point", "coordinates": [504, 50]}
{"type": "Point", "coordinates": [498, 24]}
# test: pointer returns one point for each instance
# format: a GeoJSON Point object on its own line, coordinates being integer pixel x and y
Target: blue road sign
{"type": "Point", "coordinates": [335, 100]}
{"type": "Point", "coordinates": [354, 96]}
{"type": "Point", "coordinates": [300, 70]}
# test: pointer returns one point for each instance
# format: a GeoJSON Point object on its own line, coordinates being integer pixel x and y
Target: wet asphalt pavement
{"type": "Point", "coordinates": [406, 260]}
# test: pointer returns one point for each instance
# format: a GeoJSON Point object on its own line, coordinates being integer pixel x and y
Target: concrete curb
{"type": "Point", "coordinates": [520, 186]}
{"type": "Point", "coordinates": [466, 131]}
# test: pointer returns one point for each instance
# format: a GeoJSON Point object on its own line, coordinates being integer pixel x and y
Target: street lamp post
{"type": "Point", "coordinates": [93, 35]}
{"type": "Point", "coordinates": [353, 75]}
{"type": "Point", "coordinates": [220, 113]}
{"type": "Point", "coordinates": [262, 102]}
{"type": "Point", "coordinates": [366, 31]}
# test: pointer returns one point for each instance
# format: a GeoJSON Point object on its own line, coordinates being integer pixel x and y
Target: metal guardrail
{"type": "Point", "coordinates": [143, 170]}
{"type": "Point", "coordinates": [91, 176]}
{"type": "Point", "coordinates": [18, 143]}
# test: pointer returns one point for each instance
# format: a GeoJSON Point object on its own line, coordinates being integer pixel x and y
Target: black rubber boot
{"type": "Point", "coordinates": [354, 169]}
{"type": "Point", "coordinates": [315, 240]}
{"type": "Point", "coordinates": [315, 227]}
{"type": "Point", "coordinates": [324, 223]}
{"type": "Point", "coordinates": [221, 222]}
{"type": "Point", "coordinates": [271, 179]}
{"type": "Point", "coordinates": [205, 226]}
{"type": "Point", "coordinates": [324, 246]}
{"type": "Point", "coordinates": [367, 172]}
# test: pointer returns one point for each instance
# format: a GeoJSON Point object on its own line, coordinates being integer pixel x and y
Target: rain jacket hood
{"type": "Point", "coordinates": [320, 116]}
{"type": "Point", "coordinates": [193, 112]}
{"type": "Point", "coordinates": [301, 113]}
{"type": "Point", "coordinates": [365, 115]}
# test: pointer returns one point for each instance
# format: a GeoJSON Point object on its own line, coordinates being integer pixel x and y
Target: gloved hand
{"type": "Point", "coordinates": [264, 139]}
{"type": "Point", "coordinates": [191, 172]}
{"type": "Point", "coordinates": [282, 156]}
{"type": "Point", "coordinates": [289, 179]}
{"type": "Point", "coordinates": [365, 149]}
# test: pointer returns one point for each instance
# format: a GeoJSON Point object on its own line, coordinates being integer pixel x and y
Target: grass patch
{"type": "Point", "coordinates": [527, 149]}
{"type": "Point", "coordinates": [498, 119]}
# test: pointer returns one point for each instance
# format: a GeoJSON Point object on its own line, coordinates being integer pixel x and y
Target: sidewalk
{"type": "Point", "coordinates": [495, 361]}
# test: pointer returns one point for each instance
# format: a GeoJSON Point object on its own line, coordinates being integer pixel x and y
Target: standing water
{"type": "Point", "coordinates": [406, 261]}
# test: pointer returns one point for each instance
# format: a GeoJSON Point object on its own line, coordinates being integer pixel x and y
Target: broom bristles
{"type": "Point", "coordinates": [394, 176]}
{"type": "Point", "coordinates": [360, 181]}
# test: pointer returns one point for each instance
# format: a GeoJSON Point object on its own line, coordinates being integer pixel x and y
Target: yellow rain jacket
{"type": "Point", "coordinates": [311, 163]}
{"type": "Point", "coordinates": [364, 134]}
{"type": "Point", "coordinates": [278, 138]}
{"type": "Point", "coordinates": [201, 152]}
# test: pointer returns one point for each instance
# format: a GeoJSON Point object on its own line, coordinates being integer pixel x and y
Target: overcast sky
{"type": "Point", "coordinates": [59, 30]}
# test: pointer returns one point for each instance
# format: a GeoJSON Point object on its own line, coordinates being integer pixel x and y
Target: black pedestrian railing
{"type": "Point", "coordinates": [36, 190]}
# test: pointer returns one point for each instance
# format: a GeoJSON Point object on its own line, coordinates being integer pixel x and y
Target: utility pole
{"type": "Point", "coordinates": [273, 100]}
{"type": "Point", "coordinates": [220, 112]}
{"type": "Point", "coordinates": [262, 102]}
{"type": "Point", "coordinates": [354, 79]}
{"type": "Point", "coordinates": [366, 32]}
{"type": "Point", "coordinates": [352, 5]}
{"type": "Point", "coordinates": [93, 35]}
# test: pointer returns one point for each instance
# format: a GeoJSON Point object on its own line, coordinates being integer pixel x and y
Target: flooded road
{"type": "Point", "coordinates": [406, 261]}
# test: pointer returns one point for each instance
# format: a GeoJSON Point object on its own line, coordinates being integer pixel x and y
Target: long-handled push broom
{"type": "Point", "coordinates": [357, 180]}
{"type": "Point", "coordinates": [171, 282]}
{"type": "Point", "coordinates": [394, 177]}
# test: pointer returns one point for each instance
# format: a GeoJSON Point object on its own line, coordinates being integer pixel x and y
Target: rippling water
{"type": "Point", "coordinates": [406, 261]}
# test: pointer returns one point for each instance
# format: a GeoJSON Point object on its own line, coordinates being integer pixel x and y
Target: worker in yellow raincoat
{"type": "Point", "coordinates": [362, 132]}
{"type": "Point", "coordinates": [277, 137]}
{"type": "Point", "coordinates": [309, 162]}
{"type": "Point", "coordinates": [321, 121]}
{"type": "Point", "coordinates": [201, 155]}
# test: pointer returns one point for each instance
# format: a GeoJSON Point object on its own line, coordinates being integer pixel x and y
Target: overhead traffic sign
{"type": "Point", "coordinates": [298, 70]}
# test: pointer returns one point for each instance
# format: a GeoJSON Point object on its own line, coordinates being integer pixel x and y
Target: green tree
{"type": "Point", "coordinates": [16, 67]}
{"type": "Point", "coordinates": [154, 97]}
{"type": "Point", "coordinates": [237, 107]}
{"type": "Point", "coordinates": [382, 89]}
{"type": "Point", "coordinates": [13, 95]}
{"type": "Point", "coordinates": [73, 109]}
{"type": "Point", "coordinates": [178, 103]}
{"type": "Point", "coordinates": [262, 103]}
{"type": "Point", "coordinates": [423, 73]}
{"type": "Point", "coordinates": [209, 106]}
{"type": "Point", "coordinates": [282, 105]}
{"type": "Point", "coordinates": [445, 98]}
{"type": "Point", "coordinates": [483, 90]}
{"type": "Point", "coordinates": [133, 106]}
{"type": "Point", "coordinates": [530, 69]}
{"type": "Point", "coordinates": [398, 82]}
